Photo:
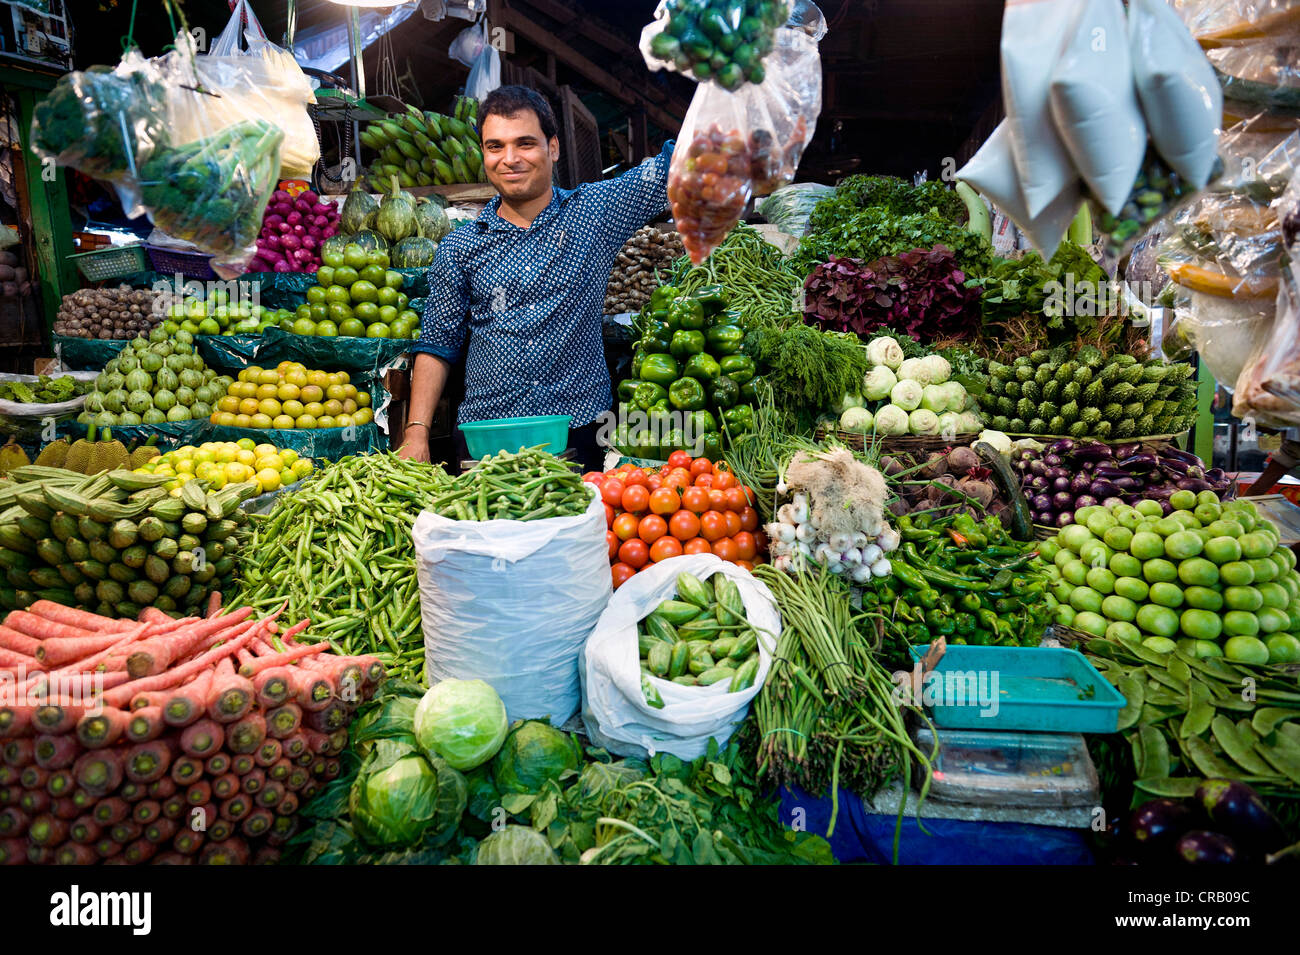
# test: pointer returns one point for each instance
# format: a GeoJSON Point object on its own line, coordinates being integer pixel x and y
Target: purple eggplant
{"type": "Point", "coordinates": [1038, 467]}
{"type": "Point", "coordinates": [1100, 488]}
{"type": "Point", "coordinates": [1061, 446]}
{"type": "Point", "coordinates": [1064, 518]}
{"type": "Point", "coordinates": [1042, 502]}
{"type": "Point", "coordinates": [1039, 483]}
{"type": "Point", "coordinates": [1194, 484]}
{"type": "Point", "coordinates": [1053, 460]}
{"type": "Point", "coordinates": [1127, 450]}
{"type": "Point", "coordinates": [1054, 473]}
{"type": "Point", "coordinates": [1112, 501]}
{"type": "Point", "coordinates": [1079, 483]}
{"type": "Point", "coordinates": [1127, 483]}
{"type": "Point", "coordinates": [1061, 484]}
{"type": "Point", "coordinates": [1237, 811]}
{"type": "Point", "coordinates": [1110, 472]}
{"type": "Point", "coordinates": [1084, 500]}
{"type": "Point", "coordinates": [1178, 454]}
{"type": "Point", "coordinates": [1092, 451]}
{"type": "Point", "coordinates": [1200, 847]}
{"type": "Point", "coordinates": [1089, 465]}
{"type": "Point", "coordinates": [1044, 517]}
{"type": "Point", "coordinates": [1141, 463]}
{"type": "Point", "coordinates": [1166, 508]}
{"type": "Point", "coordinates": [1063, 500]}
{"type": "Point", "coordinates": [1218, 476]}
{"type": "Point", "coordinates": [1155, 826]}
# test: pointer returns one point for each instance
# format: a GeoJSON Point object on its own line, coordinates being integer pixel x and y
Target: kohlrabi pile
{"type": "Point", "coordinates": [908, 396]}
{"type": "Point", "coordinates": [1209, 575]}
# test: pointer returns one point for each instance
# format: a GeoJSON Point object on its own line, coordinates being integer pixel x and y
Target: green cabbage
{"type": "Point", "coordinates": [516, 845]}
{"type": "Point", "coordinates": [533, 753]}
{"type": "Point", "coordinates": [394, 797]}
{"type": "Point", "coordinates": [463, 721]}
{"type": "Point", "coordinates": [453, 797]}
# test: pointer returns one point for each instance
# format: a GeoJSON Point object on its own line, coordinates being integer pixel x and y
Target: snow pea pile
{"type": "Point", "coordinates": [527, 485]}
{"type": "Point", "coordinates": [968, 582]}
{"type": "Point", "coordinates": [1189, 716]}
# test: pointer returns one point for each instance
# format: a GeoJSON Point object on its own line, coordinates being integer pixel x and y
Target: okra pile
{"type": "Point", "coordinates": [340, 552]}
{"type": "Point", "coordinates": [525, 485]}
{"type": "Point", "coordinates": [698, 638]}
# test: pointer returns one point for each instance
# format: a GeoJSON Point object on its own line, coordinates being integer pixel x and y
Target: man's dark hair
{"type": "Point", "coordinates": [509, 100]}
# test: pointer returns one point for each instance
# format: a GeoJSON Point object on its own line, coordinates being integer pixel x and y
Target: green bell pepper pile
{"type": "Point", "coordinates": [966, 581]}
{"type": "Point", "coordinates": [690, 361]}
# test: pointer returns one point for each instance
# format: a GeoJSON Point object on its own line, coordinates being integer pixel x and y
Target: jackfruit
{"type": "Point", "coordinates": [12, 456]}
{"type": "Point", "coordinates": [78, 457]}
{"type": "Point", "coordinates": [54, 454]}
{"type": "Point", "coordinates": [142, 456]}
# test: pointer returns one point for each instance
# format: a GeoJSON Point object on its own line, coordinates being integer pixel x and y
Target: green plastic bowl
{"type": "Point", "coordinates": [510, 434]}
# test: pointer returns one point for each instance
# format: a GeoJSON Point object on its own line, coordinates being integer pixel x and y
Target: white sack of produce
{"type": "Point", "coordinates": [614, 709]}
{"type": "Point", "coordinates": [511, 602]}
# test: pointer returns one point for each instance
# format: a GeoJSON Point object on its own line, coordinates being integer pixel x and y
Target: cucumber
{"type": "Point", "coordinates": [1022, 527]}
{"type": "Point", "coordinates": [679, 660]}
{"type": "Point", "coordinates": [745, 676]}
{"type": "Point", "coordinates": [745, 644]}
{"type": "Point", "coordinates": [700, 661]}
{"type": "Point", "coordinates": [660, 629]}
{"type": "Point", "coordinates": [692, 590]}
{"type": "Point", "coordinates": [660, 658]}
{"type": "Point", "coordinates": [686, 680]}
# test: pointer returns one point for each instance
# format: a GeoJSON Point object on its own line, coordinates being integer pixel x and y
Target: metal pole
{"type": "Point", "coordinates": [354, 45]}
{"type": "Point", "coordinates": [290, 24]}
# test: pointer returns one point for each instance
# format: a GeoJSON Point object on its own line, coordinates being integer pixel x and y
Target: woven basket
{"type": "Point", "coordinates": [898, 444]}
{"type": "Point", "coordinates": [111, 263]}
{"type": "Point", "coordinates": [192, 265]}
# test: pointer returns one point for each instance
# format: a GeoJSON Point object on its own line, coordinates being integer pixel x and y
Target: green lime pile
{"type": "Point", "coordinates": [357, 296]}
{"type": "Point", "coordinates": [1210, 576]}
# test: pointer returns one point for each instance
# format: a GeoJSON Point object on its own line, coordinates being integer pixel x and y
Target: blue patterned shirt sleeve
{"type": "Point", "coordinates": [445, 320]}
{"type": "Point", "coordinates": [629, 201]}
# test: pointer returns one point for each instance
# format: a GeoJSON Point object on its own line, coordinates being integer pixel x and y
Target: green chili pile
{"type": "Point", "coordinates": [340, 552]}
{"type": "Point", "coordinates": [827, 716]}
{"type": "Point", "coordinates": [527, 485]}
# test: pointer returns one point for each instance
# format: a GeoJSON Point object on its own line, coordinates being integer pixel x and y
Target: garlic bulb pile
{"type": "Point", "coordinates": [794, 539]}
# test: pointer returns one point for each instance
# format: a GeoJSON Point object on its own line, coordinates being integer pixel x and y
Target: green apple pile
{"type": "Point", "coordinates": [357, 296]}
{"type": "Point", "coordinates": [215, 314]}
{"type": "Point", "coordinates": [1209, 575]}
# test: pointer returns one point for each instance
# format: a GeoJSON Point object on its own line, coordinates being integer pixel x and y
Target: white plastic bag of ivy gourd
{"type": "Point", "coordinates": [614, 710]}
{"type": "Point", "coordinates": [511, 603]}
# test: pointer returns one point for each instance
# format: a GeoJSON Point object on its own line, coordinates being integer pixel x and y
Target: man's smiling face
{"type": "Point", "coordinates": [517, 158]}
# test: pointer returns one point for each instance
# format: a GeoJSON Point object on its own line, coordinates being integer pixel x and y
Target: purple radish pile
{"type": "Point", "coordinates": [1069, 474]}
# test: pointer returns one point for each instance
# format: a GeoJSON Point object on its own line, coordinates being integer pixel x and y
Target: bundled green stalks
{"type": "Point", "coordinates": [759, 282]}
{"type": "Point", "coordinates": [340, 552]}
{"type": "Point", "coordinates": [827, 717]}
{"type": "Point", "coordinates": [527, 485]}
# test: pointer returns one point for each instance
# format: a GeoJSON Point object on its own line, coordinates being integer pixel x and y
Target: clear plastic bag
{"type": "Point", "coordinates": [104, 122]}
{"type": "Point", "coordinates": [790, 207]}
{"type": "Point", "coordinates": [726, 41]}
{"type": "Point", "coordinates": [734, 146]}
{"type": "Point", "coordinates": [1217, 23]}
{"type": "Point", "coordinates": [1265, 75]}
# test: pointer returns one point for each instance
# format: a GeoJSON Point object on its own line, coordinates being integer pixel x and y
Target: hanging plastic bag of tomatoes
{"type": "Point", "coordinates": [735, 145]}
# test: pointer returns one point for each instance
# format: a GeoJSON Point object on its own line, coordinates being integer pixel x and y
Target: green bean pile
{"type": "Point", "coordinates": [527, 485]}
{"type": "Point", "coordinates": [758, 279]}
{"type": "Point", "coordinates": [340, 551]}
{"type": "Point", "coordinates": [826, 716]}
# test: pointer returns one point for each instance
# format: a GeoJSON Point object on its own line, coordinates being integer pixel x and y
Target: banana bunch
{"type": "Point", "coordinates": [425, 149]}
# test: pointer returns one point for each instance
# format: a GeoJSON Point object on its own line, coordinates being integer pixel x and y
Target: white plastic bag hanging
{"type": "Point", "coordinates": [469, 43]}
{"type": "Point", "coordinates": [511, 603]}
{"type": "Point", "coordinates": [1181, 99]}
{"type": "Point", "coordinates": [1033, 34]}
{"type": "Point", "coordinates": [1095, 104]}
{"type": "Point", "coordinates": [992, 172]}
{"type": "Point", "coordinates": [485, 74]}
{"type": "Point", "coordinates": [615, 711]}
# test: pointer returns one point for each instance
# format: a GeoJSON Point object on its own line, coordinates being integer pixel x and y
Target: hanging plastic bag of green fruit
{"type": "Point", "coordinates": [727, 41]}
{"type": "Point", "coordinates": [737, 145]}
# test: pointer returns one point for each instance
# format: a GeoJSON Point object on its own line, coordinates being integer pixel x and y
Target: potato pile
{"type": "Point", "coordinates": [14, 280]}
{"type": "Point", "coordinates": [633, 277]}
{"type": "Point", "coordinates": [107, 313]}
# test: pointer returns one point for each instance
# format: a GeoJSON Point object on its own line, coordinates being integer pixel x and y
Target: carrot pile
{"type": "Point", "coordinates": [164, 740]}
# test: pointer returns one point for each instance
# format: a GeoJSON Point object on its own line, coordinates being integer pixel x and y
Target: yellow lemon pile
{"type": "Point", "coordinates": [291, 396]}
{"type": "Point", "coordinates": [230, 462]}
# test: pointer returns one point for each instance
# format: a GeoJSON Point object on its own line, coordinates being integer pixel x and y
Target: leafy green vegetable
{"type": "Point", "coordinates": [516, 845]}
{"type": "Point", "coordinates": [463, 721]}
{"type": "Point", "coordinates": [1029, 286]}
{"type": "Point", "coordinates": [871, 233]}
{"type": "Point", "coordinates": [395, 796]}
{"type": "Point", "coordinates": [809, 370]}
{"type": "Point", "coordinates": [533, 753]}
{"type": "Point", "coordinates": [45, 390]}
{"type": "Point", "coordinates": [896, 196]}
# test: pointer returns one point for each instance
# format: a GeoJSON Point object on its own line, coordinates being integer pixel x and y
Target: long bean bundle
{"type": "Point", "coordinates": [759, 280]}
{"type": "Point", "coordinates": [340, 552]}
{"type": "Point", "coordinates": [826, 716]}
{"type": "Point", "coordinates": [527, 485]}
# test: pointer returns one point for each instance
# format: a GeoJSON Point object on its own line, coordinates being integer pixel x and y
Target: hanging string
{"type": "Point", "coordinates": [128, 41]}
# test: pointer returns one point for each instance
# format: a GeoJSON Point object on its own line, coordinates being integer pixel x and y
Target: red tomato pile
{"type": "Point", "coordinates": [689, 506]}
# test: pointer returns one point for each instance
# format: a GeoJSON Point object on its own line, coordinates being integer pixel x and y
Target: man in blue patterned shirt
{"type": "Point", "coordinates": [519, 292]}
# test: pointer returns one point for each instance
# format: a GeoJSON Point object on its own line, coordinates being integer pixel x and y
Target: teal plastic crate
{"type": "Point", "coordinates": [1036, 689]}
{"type": "Point", "coordinates": [511, 434]}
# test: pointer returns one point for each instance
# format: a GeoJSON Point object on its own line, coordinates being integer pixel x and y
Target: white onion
{"type": "Point", "coordinates": [801, 510]}
{"type": "Point", "coordinates": [780, 548]}
{"type": "Point", "coordinates": [824, 554]}
{"type": "Point", "coordinates": [784, 564]}
{"type": "Point", "coordinates": [860, 574]}
{"type": "Point", "coordinates": [840, 542]}
{"type": "Point", "coordinates": [781, 532]}
{"type": "Point", "coordinates": [803, 549]}
{"type": "Point", "coordinates": [785, 514]}
{"type": "Point", "coordinates": [805, 532]}
{"type": "Point", "coordinates": [881, 568]}
{"type": "Point", "coordinates": [781, 486]}
{"type": "Point", "coordinates": [836, 567]}
{"type": "Point", "coordinates": [871, 553]}
{"type": "Point", "coordinates": [852, 557]}
{"type": "Point", "coordinates": [859, 540]}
